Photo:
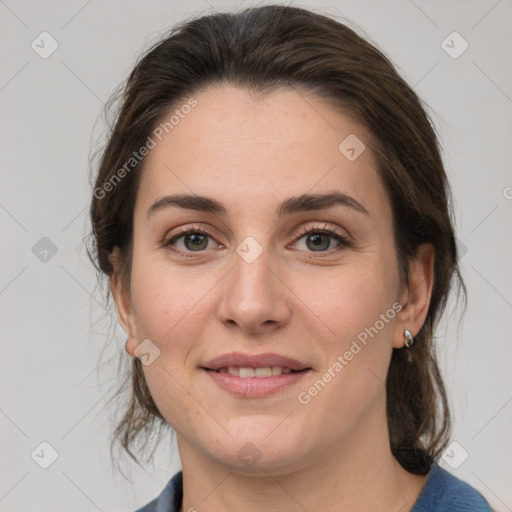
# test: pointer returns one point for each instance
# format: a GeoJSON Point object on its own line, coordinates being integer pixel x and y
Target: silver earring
{"type": "Point", "coordinates": [409, 340]}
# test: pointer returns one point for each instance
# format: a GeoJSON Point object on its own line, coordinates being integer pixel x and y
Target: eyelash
{"type": "Point", "coordinates": [344, 241]}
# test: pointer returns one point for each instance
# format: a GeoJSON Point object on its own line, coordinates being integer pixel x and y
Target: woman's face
{"type": "Point", "coordinates": [256, 285]}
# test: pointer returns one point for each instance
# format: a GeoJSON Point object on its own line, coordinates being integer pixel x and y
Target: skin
{"type": "Point", "coordinates": [251, 153]}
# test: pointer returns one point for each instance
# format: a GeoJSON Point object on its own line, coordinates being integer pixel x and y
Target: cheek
{"type": "Point", "coordinates": [167, 304]}
{"type": "Point", "coordinates": [358, 309]}
{"type": "Point", "coordinates": [357, 313]}
{"type": "Point", "coordinates": [351, 299]}
{"type": "Point", "coordinates": [169, 311]}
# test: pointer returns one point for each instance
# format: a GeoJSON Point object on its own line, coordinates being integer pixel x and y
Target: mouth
{"type": "Point", "coordinates": [245, 382]}
{"type": "Point", "coordinates": [255, 376]}
{"type": "Point", "coordinates": [245, 372]}
{"type": "Point", "coordinates": [263, 363]}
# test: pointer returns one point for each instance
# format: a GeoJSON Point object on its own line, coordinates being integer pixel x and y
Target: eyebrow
{"type": "Point", "coordinates": [297, 204]}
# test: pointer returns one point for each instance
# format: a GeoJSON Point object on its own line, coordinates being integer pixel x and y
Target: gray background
{"type": "Point", "coordinates": [51, 316]}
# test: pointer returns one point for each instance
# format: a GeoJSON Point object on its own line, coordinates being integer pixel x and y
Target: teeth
{"type": "Point", "coordinates": [244, 372]}
{"type": "Point", "coordinates": [263, 372]}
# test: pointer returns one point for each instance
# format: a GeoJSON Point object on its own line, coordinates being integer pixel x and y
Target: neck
{"type": "Point", "coordinates": [358, 473]}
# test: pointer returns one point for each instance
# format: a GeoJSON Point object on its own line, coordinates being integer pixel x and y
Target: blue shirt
{"type": "Point", "coordinates": [442, 492]}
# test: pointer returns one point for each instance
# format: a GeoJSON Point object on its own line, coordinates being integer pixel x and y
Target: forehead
{"type": "Point", "coordinates": [250, 148]}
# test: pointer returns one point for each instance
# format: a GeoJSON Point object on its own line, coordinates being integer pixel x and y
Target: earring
{"type": "Point", "coordinates": [409, 340]}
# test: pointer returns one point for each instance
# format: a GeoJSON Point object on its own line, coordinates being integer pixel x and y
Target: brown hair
{"type": "Point", "coordinates": [261, 49]}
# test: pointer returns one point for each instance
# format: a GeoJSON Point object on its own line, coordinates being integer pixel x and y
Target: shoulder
{"type": "Point", "coordinates": [445, 492]}
{"type": "Point", "coordinates": [169, 500]}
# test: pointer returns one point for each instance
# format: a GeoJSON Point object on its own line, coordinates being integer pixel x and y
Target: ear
{"type": "Point", "coordinates": [415, 298]}
{"type": "Point", "coordinates": [122, 298]}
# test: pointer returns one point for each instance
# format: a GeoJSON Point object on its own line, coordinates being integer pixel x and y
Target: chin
{"type": "Point", "coordinates": [256, 451]}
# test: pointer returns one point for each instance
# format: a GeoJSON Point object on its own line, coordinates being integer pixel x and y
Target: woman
{"type": "Point", "coordinates": [272, 213]}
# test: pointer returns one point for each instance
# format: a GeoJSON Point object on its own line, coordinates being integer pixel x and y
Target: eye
{"type": "Point", "coordinates": [194, 240]}
{"type": "Point", "coordinates": [320, 239]}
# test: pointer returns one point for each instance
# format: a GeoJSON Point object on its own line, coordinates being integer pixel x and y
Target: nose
{"type": "Point", "coordinates": [254, 297]}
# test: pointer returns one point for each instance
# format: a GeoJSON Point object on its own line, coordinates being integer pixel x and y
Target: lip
{"type": "Point", "coordinates": [254, 361]}
{"type": "Point", "coordinates": [255, 387]}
